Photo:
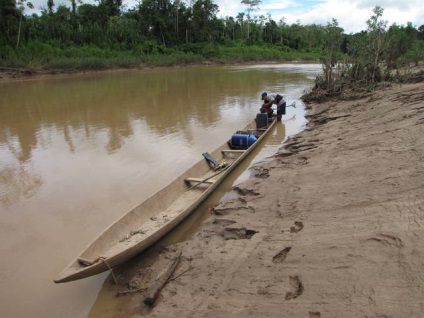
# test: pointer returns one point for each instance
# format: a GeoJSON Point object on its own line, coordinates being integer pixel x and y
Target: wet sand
{"type": "Point", "coordinates": [330, 226]}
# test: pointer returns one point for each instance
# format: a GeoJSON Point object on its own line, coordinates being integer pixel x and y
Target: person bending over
{"type": "Point", "coordinates": [269, 100]}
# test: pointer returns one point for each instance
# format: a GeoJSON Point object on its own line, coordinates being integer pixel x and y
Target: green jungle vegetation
{"type": "Point", "coordinates": [107, 35]}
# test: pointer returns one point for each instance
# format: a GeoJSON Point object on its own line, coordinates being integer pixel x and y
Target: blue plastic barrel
{"type": "Point", "coordinates": [243, 140]}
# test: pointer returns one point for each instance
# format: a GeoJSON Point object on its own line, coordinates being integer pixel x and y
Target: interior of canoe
{"type": "Point", "coordinates": [153, 218]}
{"type": "Point", "coordinates": [166, 204]}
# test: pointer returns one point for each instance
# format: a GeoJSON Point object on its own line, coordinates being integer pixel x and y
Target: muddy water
{"type": "Point", "coordinates": [77, 152]}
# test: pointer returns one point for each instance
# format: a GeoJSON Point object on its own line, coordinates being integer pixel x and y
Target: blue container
{"type": "Point", "coordinates": [243, 140]}
{"type": "Point", "coordinates": [251, 140]}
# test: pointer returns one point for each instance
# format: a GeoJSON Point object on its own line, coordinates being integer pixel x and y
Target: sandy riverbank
{"type": "Point", "coordinates": [331, 226]}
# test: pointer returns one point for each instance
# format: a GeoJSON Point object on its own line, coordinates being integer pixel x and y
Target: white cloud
{"type": "Point", "coordinates": [350, 14]}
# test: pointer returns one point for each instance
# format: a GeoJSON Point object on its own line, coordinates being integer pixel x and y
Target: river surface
{"type": "Point", "coordinates": [78, 152]}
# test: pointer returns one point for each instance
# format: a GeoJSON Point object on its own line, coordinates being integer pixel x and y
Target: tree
{"type": "Point", "coordinates": [416, 54]}
{"type": "Point", "coordinates": [93, 22]}
{"type": "Point", "coordinates": [271, 32]}
{"type": "Point", "coordinates": [158, 20]}
{"type": "Point", "coordinates": [240, 21]}
{"type": "Point", "coordinates": [182, 16]}
{"type": "Point", "coordinates": [113, 7]}
{"type": "Point", "coordinates": [50, 5]}
{"type": "Point", "coordinates": [21, 10]}
{"type": "Point", "coordinates": [421, 32]}
{"type": "Point", "coordinates": [332, 41]}
{"type": "Point", "coordinates": [282, 25]}
{"type": "Point", "coordinates": [8, 20]}
{"type": "Point", "coordinates": [367, 48]}
{"type": "Point", "coordinates": [230, 28]}
{"type": "Point", "coordinates": [251, 4]}
{"type": "Point", "coordinates": [122, 32]}
{"type": "Point", "coordinates": [204, 16]}
{"type": "Point", "coordinates": [376, 43]}
{"type": "Point", "coordinates": [401, 41]}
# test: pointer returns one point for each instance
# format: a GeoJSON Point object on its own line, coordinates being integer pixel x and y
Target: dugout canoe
{"type": "Point", "coordinates": [148, 222]}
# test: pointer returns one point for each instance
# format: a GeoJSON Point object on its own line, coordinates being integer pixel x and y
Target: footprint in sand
{"type": "Point", "coordinates": [261, 172]}
{"type": "Point", "coordinates": [281, 256]}
{"type": "Point", "coordinates": [238, 233]}
{"type": "Point", "coordinates": [298, 226]}
{"type": "Point", "coordinates": [297, 286]}
{"type": "Point", "coordinates": [245, 192]}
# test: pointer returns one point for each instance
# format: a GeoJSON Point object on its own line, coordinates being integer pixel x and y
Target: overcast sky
{"type": "Point", "coordinates": [350, 14]}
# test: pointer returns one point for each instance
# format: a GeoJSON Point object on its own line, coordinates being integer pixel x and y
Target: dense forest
{"type": "Point", "coordinates": [164, 33]}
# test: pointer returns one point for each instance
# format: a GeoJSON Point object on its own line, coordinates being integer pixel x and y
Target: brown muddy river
{"type": "Point", "coordinates": [78, 152]}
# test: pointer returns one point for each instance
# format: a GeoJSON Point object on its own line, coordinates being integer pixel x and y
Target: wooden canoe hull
{"type": "Point", "coordinates": [148, 222]}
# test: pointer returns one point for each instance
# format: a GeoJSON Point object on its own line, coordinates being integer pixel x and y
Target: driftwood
{"type": "Point", "coordinates": [160, 281]}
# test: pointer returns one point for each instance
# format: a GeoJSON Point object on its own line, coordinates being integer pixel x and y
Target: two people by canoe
{"type": "Point", "coordinates": [269, 100]}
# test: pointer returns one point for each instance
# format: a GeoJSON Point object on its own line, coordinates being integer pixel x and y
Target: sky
{"type": "Point", "coordinates": [351, 15]}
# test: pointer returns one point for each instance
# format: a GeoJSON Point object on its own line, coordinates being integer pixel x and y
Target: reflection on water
{"type": "Point", "coordinates": [18, 183]}
{"type": "Point", "coordinates": [77, 152]}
